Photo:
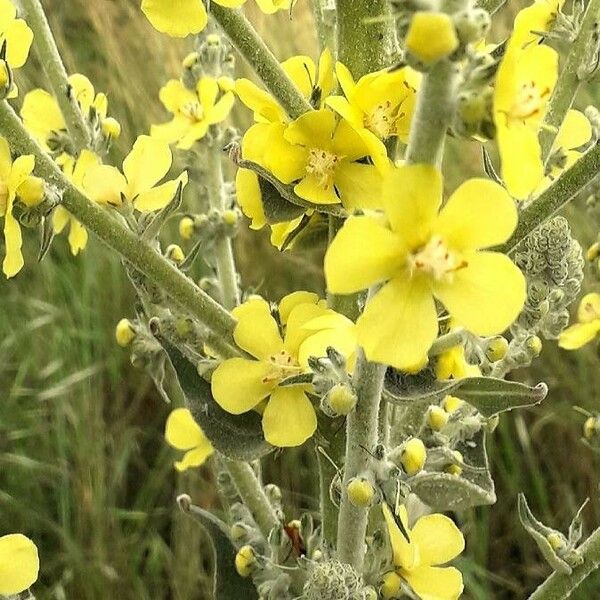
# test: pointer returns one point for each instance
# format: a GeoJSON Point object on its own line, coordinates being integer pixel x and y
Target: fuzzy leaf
{"type": "Point", "coordinates": [277, 209]}
{"type": "Point", "coordinates": [239, 437]}
{"type": "Point", "coordinates": [227, 584]}
{"type": "Point", "coordinates": [473, 487]}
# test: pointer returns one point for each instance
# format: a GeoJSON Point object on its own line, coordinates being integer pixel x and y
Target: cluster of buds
{"type": "Point", "coordinates": [212, 56]}
{"type": "Point", "coordinates": [335, 580]}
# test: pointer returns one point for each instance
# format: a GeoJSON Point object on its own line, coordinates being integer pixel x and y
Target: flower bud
{"type": "Point", "coordinates": [472, 24]}
{"type": "Point", "coordinates": [6, 79]}
{"type": "Point", "coordinates": [361, 492]}
{"type": "Point", "coordinates": [391, 585]}
{"type": "Point", "coordinates": [186, 228]}
{"type": "Point", "coordinates": [190, 60]}
{"type": "Point", "coordinates": [341, 399]}
{"type": "Point", "coordinates": [437, 417]}
{"type": "Point", "coordinates": [239, 531]}
{"type": "Point", "coordinates": [593, 252]}
{"type": "Point", "coordinates": [31, 192]}
{"type": "Point", "coordinates": [227, 84]}
{"type": "Point", "coordinates": [556, 540]}
{"type": "Point", "coordinates": [451, 403]}
{"type": "Point", "coordinates": [534, 344]}
{"type": "Point", "coordinates": [590, 428]}
{"type": "Point", "coordinates": [431, 36]}
{"type": "Point", "coordinates": [124, 332]}
{"type": "Point", "coordinates": [413, 456]}
{"type": "Point", "coordinates": [455, 469]}
{"type": "Point", "coordinates": [230, 217]}
{"type": "Point", "coordinates": [245, 560]}
{"type": "Point", "coordinates": [175, 253]}
{"type": "Point", "coordinates": [111, 128]}
{"type": "Point", "coordinates": [497, 349]}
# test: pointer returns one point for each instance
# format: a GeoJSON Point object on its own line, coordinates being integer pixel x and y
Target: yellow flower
{"type": "Point", "coordinates": [19, 564]}
{"type": "Point", "coordinates": [431, 36]}
{"type": "Point", "coordinates": [524, 84]}
{"type": "Point", "coordinates": [194, 111]}
{"type": "Point", "coordinates": [319, 154]}
{"type": "Point", "coordinates": [75, 170]}
{"type": "Point", "coordinates": [15, 33]}
{"type": "Point", "coordinates": [532, 21]}
{"type": "Point", "coordinates": [240, 384]}
{"type": "Point", "coordinates": [146, 164]}
{"type": "Point", "coordinates": [452, 364]}
{"type": "Point", "coordinates": [379, 106]}
{"type": "Point", "coordinates": [183, 433]}
{"type": "Point", "coordinates": [42, 116]}
{"type": "Point", "coordinates": [12, 176]}
{"type": "Point", "coordinates": [434, 540]}
{"type": "Point", "coordinates": [588, 326]}
{"type": "Point", "coordinates": [423, 256]}
{"type": "Point", "coordinates": [180, 18]}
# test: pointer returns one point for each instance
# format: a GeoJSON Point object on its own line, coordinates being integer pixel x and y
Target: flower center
{"type": "Point", "coordinates": [322, 164]}
{"type": "Point", "coordinates": [382, 120]}
{"type": "Point", "coordinates": [529, 102]}
{"type": "Point", "coordinates": [283, 365]}
{"type": "Point", "coordinates": [193, 111]}
{"type": "Point", "coordinates": [436, 260]}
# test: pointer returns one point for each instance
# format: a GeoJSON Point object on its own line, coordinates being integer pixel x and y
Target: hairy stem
{"type": "Point", "coordinates": [53, 67]}
{"type": "Point", "coordinates": [362, 436]}
{"type": "Point", "coordinates": [366, 35]}
{"type": "Point", "coordinates": [559, 585]}
{"type": "Point", "coordinates": [436, 103]}
{"type": "Point", "coordinates": [251, 46]}
{"type": "Point", "coordinates": [570, 183]}
{"type": "Point", "coordinates": [119, 238]}
{"type": "Point", "coordinates": [223, 248]}
{"type": "Point", "coordinates": [325, 21]}
{"type": "Point", "coordinates": [569, 81]}
{"type": "Point", "coordinates": [252, 495]}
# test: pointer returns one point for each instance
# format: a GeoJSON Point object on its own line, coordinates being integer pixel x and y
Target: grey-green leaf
{"type": "Point", "coordinates": [473, 487]}
{"type": "Point", "coordinates": [227, 584]}
{"type": "Point", "coordinates": [239, 437]}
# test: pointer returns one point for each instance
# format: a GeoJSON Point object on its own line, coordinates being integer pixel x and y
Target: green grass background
{"type": "Point", "coordinates": [84, 470]}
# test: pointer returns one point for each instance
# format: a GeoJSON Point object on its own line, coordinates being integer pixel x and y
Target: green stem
{"type": "Point", "coordinates": [53, 66]}
{"type": "Point", "coordinates": [252, 495]}
{"type": "Point", "coordinates": [492, 6]}
{"type": "Point", "coordinates": [366, 35]}
{"type": "Point", "coordinates": [325, 22]}
{"type": "Point", "coordinates": [436, 103]}
{"type": "Point", "coordinates": [570, 183]}
{"type": "Point", "coordinates": [569, 81]}
{"type": "Point", "coordinates": [446, 342]}
{"type": "Point", "coordinates": [119, 238]}
{"type": "Point", "coordinates": [251, 46]}
{"type": "Point", "coordinates": [223, 247]}
{"type": "Point", "coordinates": [560, 585]}
{"type": "Point", "coordinates": [362, 437]}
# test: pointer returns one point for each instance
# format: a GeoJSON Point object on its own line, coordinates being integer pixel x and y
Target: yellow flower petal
{"type": "Point", "coordinates": [60, 219]}
{"type": "Point", "coordinates": [259, 101]}
{"type": "Point", "coordinates": [399, 323]}
{"type": "Point", "coordinates": [439, 540]}
{"type": "Point", "coordinates": [295, 333]}
{"type": "Point", "coordinates": [147, 163]}
{"type": "Point", "coordinates": [181, 430]}
{"type": "Point", "coordinates": [302, 71]}
{"type": "Point", "coordinates": [18, 38]}
{"type": "Point", "coordinates": [221, 109]}
{"type": "Point", "coordinates": [435, 583]}
{"type": "Point", "coordinates": [404, 554]}
{"type": "Point", "coordinates": [326, 79]}
{"type": "Point", "coordinates": [289, 418]}
{"type": "Point", "coordinates": [172, 131]}
{"type": "Point", "coordinates": [5, 160]}
{"type": "Point", "coordinates": [333, 330]}
{"type": "Point", "coordinates": [174, 96]}
{"type": "Point", "coordinates": [196, 132]}
{"type": "Point", "coordinates": [208, 90]}
{"type": "Point", "coordinates": [196, 457]}
{"type": "Point", "coordinates": [256, 331]}
{"type": "Point", "coordinates": [19, 564]}
{"type": "Point", "coordinates": [178, 18]}
{"type": "Point", "coordinates": [272, 6]}
{"type": "Point", "coordinates": [412, 196]}
{"type": "Point", "coordinates": [479, 214]}
{"type": "Point", "coordinates": [83, 91]}
{"type": "Point", "coordinates": [363, 253]}
{"type": "Point", "coordinates": [359, 186]}
{"type": "Point", "coordinates": [290, 301]}
{"type": "Point", "coordinates": [579, 335]}
{"type": "Point", "coordinates": [285, 160]}
{"type": "Point", "coordinates": [104, 184]}
{"type": "Point", "coordinates": [487, 295]}
{"type": "Point", "coordinates": [8, 11]}
{"type": "Point", "coordinates": [13, 240]}
{"type": "Point", "coordinates": [313, 189]}
{"type": "Point", "coordinates": [575, 131]}
{"type": "Point", "coordinates": [21, 169]}
{"type": "Point", "coordinates": [158, 197]}
{"type": "Point", "coordinates": [41, 115]}
{"type": "Point", "coordinates": [78, 237]}
{"type": "Point", "coordinates": [249, 197]}
{"type": "Point", "coordinates": [239, 384]}
{"type": "Point", "coordinates": [314, 129]}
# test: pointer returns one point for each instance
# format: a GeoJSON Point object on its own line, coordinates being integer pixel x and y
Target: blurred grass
{"type": "Point", "coordinates": [83, 466]}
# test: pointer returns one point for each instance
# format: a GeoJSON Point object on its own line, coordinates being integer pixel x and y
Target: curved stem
{"type": "Point", "coordinates": [119, 238]}
{"type": "Point", "coordinates": [560, 585]}
{"type": "Point", "coordinates": [53, 66]}
{"type": "Point", "coordinates": [251, 46]}
{"type": "Point", "coordinates": [569, 81]}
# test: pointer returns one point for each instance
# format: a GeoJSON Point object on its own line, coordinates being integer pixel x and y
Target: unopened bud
{"type": "Point", "coordinates": [556, 540]}
{"type": "Point", "coordinates": [227, 84]}
{"type": "Point", "coordinates": [31, 191]}
{"type": "Point", "coordinates": [437, 417]}
{"type": "Point", "coordinates": [590, 428]}
{"type": "Point", "coordinates": [431, 36]}
{"type": "Point", "coordinates": [175, 253]}
{"type": "Point", "coordinates": [391, 585]}
{"type": "Point", "coordinates": [6, 79]}
{"type": "Point", "coordinates": [451, 403]}
{"type": "Point", "coordinates": [245, 560]}
{"type": "Point", "coordinates": [190, 60]}
{"type": "Point", "coordinates": [361, 492]}
{"type": "Point", "coordinates": [341, 399]}
{"type": "Point", "coordinates": [472, 24]}
{"type": "Point", "coordinates": [593, 252]}
{"type": "Point", "coordinates": [239, 531]}
{"type": "Point", "coordinates": [413, 456]}
{"type": "Point", "coordinates": [230, 217]}
{"type": "Point", "coordinates": [497, 349]}
{"type": "Point", "coordinates": [453, 468]}
{"type": "Point", "coordinates": [111, 128]}
{"type": "Point", "coordinates": [534, 344]}
{"type": "Point", "coordinates": [186, 228]}
{"type": "Point", "coordinates": [124, 332]}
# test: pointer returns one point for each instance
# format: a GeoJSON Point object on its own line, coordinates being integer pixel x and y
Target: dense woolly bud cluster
{"type": "Point", "coordinates": [333, 580]}
{"type": "Point", "coordinates": [552, 261]}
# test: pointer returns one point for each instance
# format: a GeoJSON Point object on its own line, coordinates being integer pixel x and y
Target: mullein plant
{"type": "Point", "coordinates": [395, 373]}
